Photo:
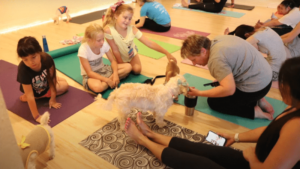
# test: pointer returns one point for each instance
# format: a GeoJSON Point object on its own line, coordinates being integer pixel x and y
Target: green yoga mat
{"type": "Point", "coordinates": [144, 50]}
{"type": "Point", "coordinates": [223, 13]}
{"type": "Point", "coordinates": [67, 61]}
{"type": "Point", "coordinates": [202, 105]}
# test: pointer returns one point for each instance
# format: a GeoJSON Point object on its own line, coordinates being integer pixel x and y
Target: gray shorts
{"type": "Point", "coordinates": [105, 71]}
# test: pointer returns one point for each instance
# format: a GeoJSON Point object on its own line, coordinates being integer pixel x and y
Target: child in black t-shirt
{"type": "Point", "coordinates": [37, 76]}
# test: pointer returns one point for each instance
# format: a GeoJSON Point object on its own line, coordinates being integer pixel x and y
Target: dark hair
{"type": "Point", "coordinates": [29, 46]}
{"type": "Point", "coordinates": [289, 75]}
{"type": "Point", "coordinates": [241, 30]}
{"type": "Point", "coordinates": [288, 3]}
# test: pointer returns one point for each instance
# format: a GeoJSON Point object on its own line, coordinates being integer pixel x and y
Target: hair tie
{"type": "Point", "coordinates": [114, 7]}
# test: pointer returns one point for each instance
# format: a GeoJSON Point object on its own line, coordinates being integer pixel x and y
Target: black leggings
{"type": "Point", "coordinates": [209, 6]}
{"type": "Point", "coordinates": [184, 154]}
{"type": "Point", "coordinates": [283, 29]}
{"type": "Point", "coordinates": [153, 26]}
{"type": "Point", "coordinates": [239, 104]}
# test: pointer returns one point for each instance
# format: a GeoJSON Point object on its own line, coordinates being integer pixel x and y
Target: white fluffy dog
{"type": "Point", "coordinates": [36, 142]}
{"type": "Point", "coordinates": [144, 97]}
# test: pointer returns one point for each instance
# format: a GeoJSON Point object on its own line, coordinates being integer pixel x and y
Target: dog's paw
{"type": "Point", "coordinates": [51, 157]}
{"type": "Point", "coordinates": [162, 124]}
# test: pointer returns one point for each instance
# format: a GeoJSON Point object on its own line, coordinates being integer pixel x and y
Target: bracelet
{"type": "Point", "coordinates": [236, 137]}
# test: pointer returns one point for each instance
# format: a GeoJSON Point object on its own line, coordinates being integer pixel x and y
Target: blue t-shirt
{"type": "Point", "coordinates": [156, 12]}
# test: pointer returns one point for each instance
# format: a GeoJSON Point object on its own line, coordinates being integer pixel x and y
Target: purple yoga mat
{"type": "Point", "coordinates": [72, 101]}
{"type": "Point", "coordinates": [188, 62]}
{"type": "Point", "coordinates": [177, 33]}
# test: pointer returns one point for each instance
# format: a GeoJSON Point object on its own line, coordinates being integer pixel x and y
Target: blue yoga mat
{"type": "Point", "coordinates": [223, 13]}
{"type": "Point", "coordinates": [202, 105]}
{"type": "Point", "coordinates": [67, 61]}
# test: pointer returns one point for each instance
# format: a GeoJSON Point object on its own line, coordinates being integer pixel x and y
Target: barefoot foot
{"type": "Point", "coordinates": [134, 132]}
{"type": "Point", "coordinates": [184, 4]}
{"type": "Point", "coordinates": [143, 126]}
{"type": "Point", "coordinates": [262, 115]}
{"type": "Point", "coordinates": [226, 32]}
{"type": "Point", "coordinates": [266, 106]}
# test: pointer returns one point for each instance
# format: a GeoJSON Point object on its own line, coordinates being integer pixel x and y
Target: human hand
{"type": "Point", "coordinates": [110, 83]}
{"type": "Point", "coordinates": [248, 153]}
{"type": "Point", "coordinates": [54, 104]}
{"type": "Point", "coordinates": [170, 57]}
{"type": "Point", "coordinates": [193, 91]}
{"type": "Point", "coordinates": [116, 79]}
{"type": "Point", "coordinates": [258, 24]}
{"type": "Point", "coordinates": [229, 138]}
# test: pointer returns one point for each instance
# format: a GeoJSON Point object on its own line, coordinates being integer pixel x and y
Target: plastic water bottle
{"type": "Point", "coordinates": [45, 44]}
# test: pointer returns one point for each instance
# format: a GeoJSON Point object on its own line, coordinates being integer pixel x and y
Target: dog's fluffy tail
{"type": "Point", "coordinates": [110, 101]}
{"type": "Point", "coordinates": [45, 118]}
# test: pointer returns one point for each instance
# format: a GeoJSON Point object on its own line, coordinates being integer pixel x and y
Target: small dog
{"type": "Point", "coordinates": [156, 99]}
{"type": "Point", "coordinates": [58, 14]}
{"type": "Point", "coordinates": [36, 142]}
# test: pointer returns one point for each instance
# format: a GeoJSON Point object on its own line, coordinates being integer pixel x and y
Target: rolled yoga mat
{"type": "Point", "coordinates": [176, 32]}
{"type": "Point", "coordinates": [87, 17]}
{"type": "Point", "coordinates": [67, 61]}
{"type": "Point", "coordinates": [72, 101]}
{"type": "Point", "coordinates": [202, 105]}
{"type": "Point", "coordinates": [223, 13]}
{"type": "Point", "coordinates": [188, 62]}
{"type": "Point", "coordinates": [237, 6]}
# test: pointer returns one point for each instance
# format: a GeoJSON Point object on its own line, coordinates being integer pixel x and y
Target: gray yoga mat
{"type": "Point", "coordinates": [72, 101]}
{"type": "Point", "coordinates": [88, 17]}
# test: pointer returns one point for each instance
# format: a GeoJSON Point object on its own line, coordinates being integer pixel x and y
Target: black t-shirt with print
{"type": "Point", "coordinates": [38, 80]}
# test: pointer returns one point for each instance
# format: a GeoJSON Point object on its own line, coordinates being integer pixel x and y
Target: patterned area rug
{"type": "Point", "coordinates": [113, 145]}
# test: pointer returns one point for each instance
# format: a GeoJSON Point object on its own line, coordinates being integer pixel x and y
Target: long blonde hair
{"type": "Point", "coordinates": [92, 31]}
{"type": "Point", "coordinates": [109, 16]}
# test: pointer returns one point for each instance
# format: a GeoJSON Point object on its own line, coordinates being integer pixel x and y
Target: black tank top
{"type": "Point", "coordinates": [270, 136]}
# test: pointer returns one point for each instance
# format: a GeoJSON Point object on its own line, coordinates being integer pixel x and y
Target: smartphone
{"type": "Point", "coordinates": [213, 84]}
{"type": "Point", "coordinates": [215, 139]}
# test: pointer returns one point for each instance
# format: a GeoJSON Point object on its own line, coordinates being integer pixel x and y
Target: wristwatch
{"type": "Point", "coordinates": [236, 137]}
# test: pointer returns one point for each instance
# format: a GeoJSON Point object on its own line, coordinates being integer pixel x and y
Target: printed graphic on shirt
{"type": "Point", "coordinates": [96, 62]}
{"type": "Point", "coordinates": [39, 82]}
{"type": "Point", "coordinates": [160, 8]}
{"type": "Point", "coordinates": [62, 9]}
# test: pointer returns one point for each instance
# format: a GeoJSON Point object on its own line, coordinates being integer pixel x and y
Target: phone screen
{"type": "Point", "coordinates": [215, 139]}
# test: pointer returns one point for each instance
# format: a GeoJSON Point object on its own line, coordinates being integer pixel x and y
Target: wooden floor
{"type": "Point", "coordinates": [69, 154]}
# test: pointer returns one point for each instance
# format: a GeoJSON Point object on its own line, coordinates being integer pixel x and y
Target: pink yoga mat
{"type": "Point", "coordinates": [187, 61]}
{"type": "Point", "coordinates": [72, 101]}
{"type": "Point", "coordinates": [177, 33]}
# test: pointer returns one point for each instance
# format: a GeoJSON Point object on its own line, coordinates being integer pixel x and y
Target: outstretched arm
{"type": "Point", "coordinates": [114, 47]}
{"type": "Point", "coordinates": [154, 45]}
{"type": "Point", "coordinates": [291, 35]}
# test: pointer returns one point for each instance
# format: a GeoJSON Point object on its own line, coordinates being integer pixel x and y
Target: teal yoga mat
{"type": "Point", "coordinates": [67, 61]}
{"type": "Point", "coordinates": [223, 13]}
{"type": "Point", "coordinates": [202, 105]}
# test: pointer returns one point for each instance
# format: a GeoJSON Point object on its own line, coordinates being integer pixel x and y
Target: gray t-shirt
{"type": "Point", "coordinates": [231, 54]}
{"type": "Point", "coordinates": [294, 47]}
{"type": "Point", "coordinates": [271, 44]}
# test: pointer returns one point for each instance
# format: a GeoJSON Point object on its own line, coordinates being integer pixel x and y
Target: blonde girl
{"type": "Point", "coordinates": [120, 35]}
{"type": "Point", "coordinates": [97, 76]}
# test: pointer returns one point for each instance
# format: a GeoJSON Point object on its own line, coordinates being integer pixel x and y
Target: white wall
{"type": "Point", "coordinates": [23, 12]}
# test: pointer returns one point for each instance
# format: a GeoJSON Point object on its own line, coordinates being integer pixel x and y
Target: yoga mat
{"type": "Point", "coordinates": [116, 147]}
{"type": "Point", "coordinates": [67, 61]}
{"type": "Point", "coordinates": [144, 50]}
{"type": "Point", "coordinates": [176, 32]}
{"type": "Point", "coordinates": [87, 17]}
{"type": "Point", "coordinates": [72, 101]}
{"type": "Point", "coordinates": [223, 13]}
{"type": "Point", "coordinates": [237, 6]}
{"type": "Point", "coordinates": [188, 62]}
{"type": "Point", "coordinates": [202, 105]}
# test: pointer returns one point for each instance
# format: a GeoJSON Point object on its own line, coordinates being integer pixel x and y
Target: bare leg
{"type": "Point", "coordinates": [97, 85]}
{"type": "Point", "coordinates": [158, 138]}
{"type": "Point", "coordinates": [226, 32]}
{"type": "Point", "coordinates": [140, 139]}
{"type": "Point", "coordinates": [184, 4]}
{"type": "Point", "coordinates": [136, 64]}
{"type": "Point", "coordinates": [68, 16]}
{"type": "Point", "coordinates": [124, 69]}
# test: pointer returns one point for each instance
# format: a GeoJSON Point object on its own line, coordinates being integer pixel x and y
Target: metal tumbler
{"type": "Point", "coordinates": [190, 103]}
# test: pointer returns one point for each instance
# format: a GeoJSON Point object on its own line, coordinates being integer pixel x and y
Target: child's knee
{"type": "Point", "coordinates": [100, 87]}
{"type": "Point", "coordinates": [137, 69]}
{"type": "Point", "coordinates": [128, 68]}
